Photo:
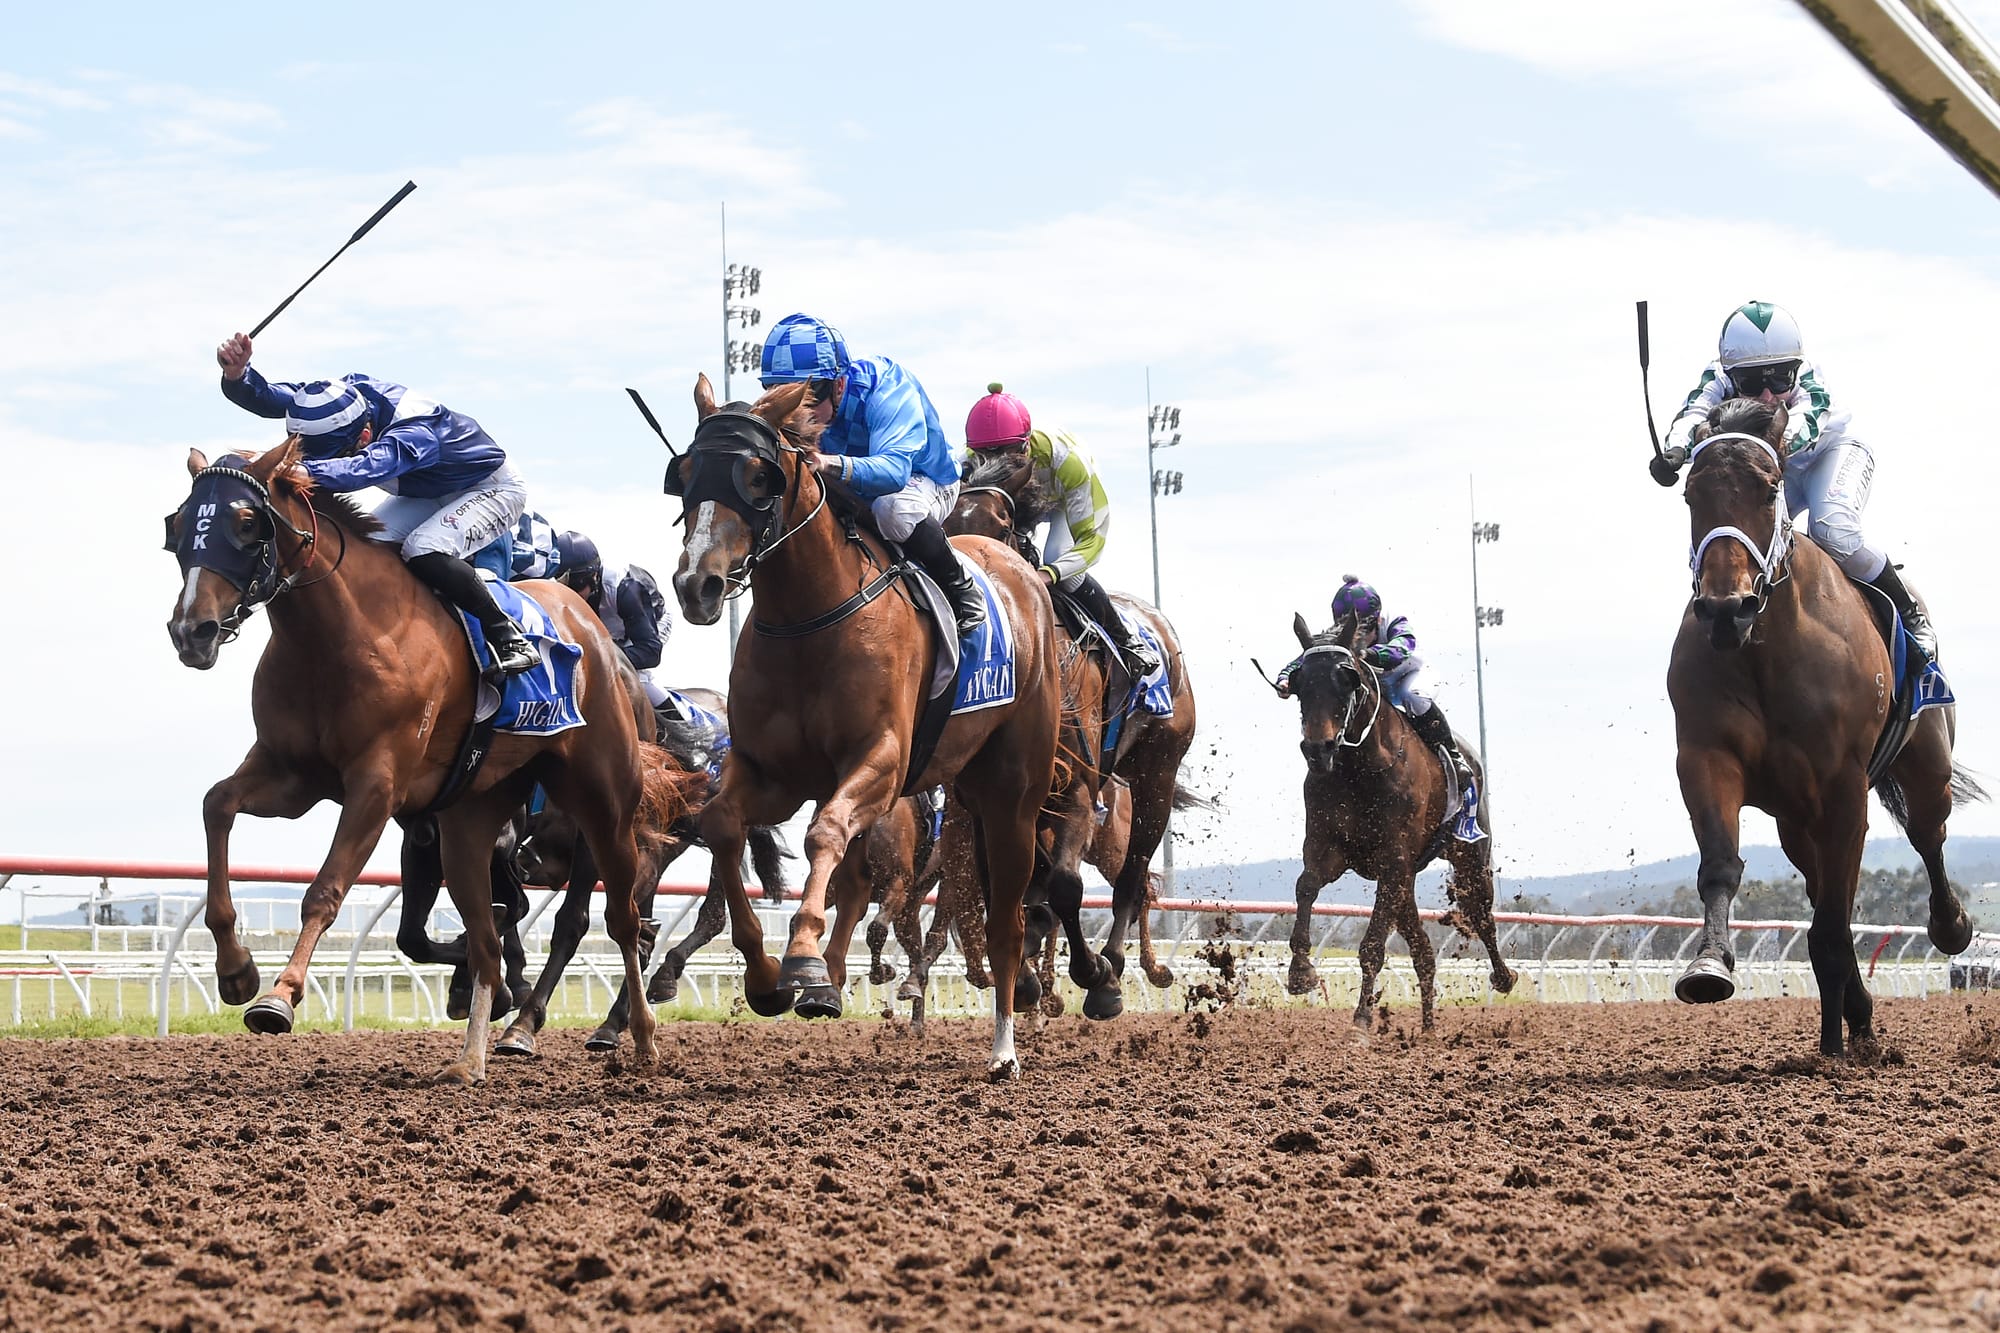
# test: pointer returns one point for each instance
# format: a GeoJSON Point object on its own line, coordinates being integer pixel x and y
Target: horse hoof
{"type": "Point", "coordinates": [818, 1002]}
{"type": "Point", "coordinates": [1301, 981]}
{"type": "Point", "coordinates": [1503, 980]}
{"type": "Point", "coordinates": [881, 975]}
{"type": "Point", "coordinates": [456, 1074]}
{"type": "Point", "coordinates": [978, 978]}
{"type": "Point", "coordinates": [458, 1005]}
{"type": "Point", "coordinates": [662, 989]}
{"type": "Point", "coordinates": [909, 990]}
{"type": "Point", "coordinates": [1052, 1005]}
{"type": "Point", "coordinates": [770, 1006]}
{"type": "Point", "coordinates": [272, 1014]}
{"type": "Point", "coordinates": [1004, 1070]}
{"type": "Point", "coordinates": [238, 987]}
{"type": "Point", "coordinates": [799, 971]}
{"type": "Point", "coordinates": [516, 1040]}
{"type": "Point", "coordinates": [604, 1039]}
{"type": "Point", "coordinates": [1027, 992]}
{"type": "Point", "coordinates": [1103, 1003]}
{"type": "Point", "coordinates": [1706, 981]}
{"type": "Point", "coordinates": [1953, 938]}
{"type": "Point", "coordinates": [1160, 975]}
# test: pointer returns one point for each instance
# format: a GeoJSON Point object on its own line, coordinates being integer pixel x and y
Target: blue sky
{"type": "Point", "coordinates": [1373, 251]}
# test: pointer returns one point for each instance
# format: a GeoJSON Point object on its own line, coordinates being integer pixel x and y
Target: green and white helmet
{"type": "Point", "coordinates": [1758, 333]}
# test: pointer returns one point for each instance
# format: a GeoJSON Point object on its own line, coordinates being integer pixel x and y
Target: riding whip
{"type": "Point", "coordinates": [361, 231]}
{"type": "Point", "coordinates": [1665, 471]}
{"type": "Point", "coordinates": [1267, 679]}
{"type": "Point", "coordinates": [652, 421]}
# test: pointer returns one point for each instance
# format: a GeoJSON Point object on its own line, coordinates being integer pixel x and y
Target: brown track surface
{"type": "Point", "coordinates": [1601, 1167]}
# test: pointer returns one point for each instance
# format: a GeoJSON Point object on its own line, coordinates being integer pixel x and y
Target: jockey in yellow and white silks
{"type": "Point", "coordinates": [1827, 469]}
{"type": "Point", "coordinates": [1080, 520]}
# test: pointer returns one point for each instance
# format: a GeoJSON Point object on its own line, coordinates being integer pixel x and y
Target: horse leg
{"type": "Point", "coordinates": [1923, 772]}
{"type": "Point", "coordinates": [1712, 788]}
{"type": "Point", "coordinates": [362, 819]}
{"type": "Point", "coordinates": [851, 890]}
{"type": "Point", "coordinates": [709, 920]}
{"type": "Point", "coordinates": [1837, 847]}
{"type": "Point", "coordinates": [265, 789]}
{"type": "Point", "coordinates": [510, 902]}
{"type": "Point", "coordinates": [862, 798]}
{"type": "Point", "coordinates": [1411, 927]}
{"type": "Point", "coordinates": [1006, 848]}
{"type": "Point", "coordinates": [1472, 896]}
{"type": "Point", "coordinates": [1372, 952]}
{"type": "Point", "coordinates": [1152, 793]}
{"type": "Point", "coordinates": [1157, 972]}
{"type": "Point", "coordinates": [1323, 865]}
{"type": "Point", "coordinates": [465, 842]}
{"type": "Point", "coordinates": [608, 829]}
{"type": "Point", "coordinates": [423, 881]}
{"type": "Point", "coordinates": [571, 924]}
{"type": "Point", "coordinates": [961, 908]}
{"type": "Point", "coordinates": [725, 825]}
{"type": "Point", "coordinates": [605, 1037]}
{"type": "Point", "coordinates": [1063, 883]}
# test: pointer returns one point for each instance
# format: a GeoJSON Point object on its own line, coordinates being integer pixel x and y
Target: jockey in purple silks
{"type": "Point", "coordinates": [1392, 650]}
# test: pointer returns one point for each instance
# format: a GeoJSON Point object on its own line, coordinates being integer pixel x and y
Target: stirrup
{"type": "Point", "coordinates": [1140, 659]}
{"type": "Point", "coordinates": [514, 654]}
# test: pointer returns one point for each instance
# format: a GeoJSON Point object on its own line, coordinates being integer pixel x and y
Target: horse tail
{"type": "Point", "coordinates": [1965, 788]}
{"type": "Point", "coordinates": [1188, 799]}
{"type": "Point", "coordinates": [667, 792]}
{"type": "Point", "coordinates": [767, 858]}
{"type": "Point", "coordinates": [1897, 802]}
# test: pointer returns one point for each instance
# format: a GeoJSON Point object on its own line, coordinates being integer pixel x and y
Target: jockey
{"type": "Point", "coordinates": [452, 490]}
{"type": "Point", "coordinates": [999, 424]}
{"type": "Point", "coordinates": [1392, 650]}
{"type": "Point", "coordinates": [626, 598]}
{"type": "Point", "coordinates": [532, 548]}
{"type": "Point", "coordinates": [1827, 470]}
{"type": "Point", "coordinates": [884, 441]}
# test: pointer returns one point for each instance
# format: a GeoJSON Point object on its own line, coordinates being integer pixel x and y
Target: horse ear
{"type": "Point", "coordinates": [197, 460]}
{"type": "Point", "coordinates": [778, 405]}
{"type": "Point", "coordinates": [1300, 628]}
{"type": "Point", "coordinates": [1775, 433]}
{"type": "Point", "coordinates": [704, 397]}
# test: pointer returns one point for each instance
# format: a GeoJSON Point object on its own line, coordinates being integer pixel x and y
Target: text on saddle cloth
{"type": "Point", "coordinates": [1462, 815]}
{"type": "Point", "coordinates": [538, 702]}
{"type": "Point", "coordinates": [981, 665]}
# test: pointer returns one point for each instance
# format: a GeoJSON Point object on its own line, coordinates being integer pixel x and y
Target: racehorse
{"type": "Point", "coordinates": [552, 855]}
{"type": "Point", "coordinates": [422, 880]}
{"type": "Point", "coordinates": [1377, 802]}
{"type": "Point", "coordinates": [826, 686]}
{"type": "Point", "coordinates": [364, 696]}
{"type": "Point", "coordinates": [1781, 686]}
{"type": "Point", "coordinates": [1000, 499]}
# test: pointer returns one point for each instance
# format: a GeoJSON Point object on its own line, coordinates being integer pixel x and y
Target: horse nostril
{"type": "Point", "coordinates": [205, 631]}
{"type": "Point", "coordinates": [711, 588]}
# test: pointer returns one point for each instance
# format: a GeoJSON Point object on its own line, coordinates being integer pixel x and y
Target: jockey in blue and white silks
{"type": "Point", "coordinates": [883, 439]}
{"type": "Point", "coordinates": [625, 597]}
{"type": "Point", "coordinates": [452, 492]}
{"type": "Point", "coordinates": [1827, 470]}
{"type": "Point", "coordinates": [1391, 650]}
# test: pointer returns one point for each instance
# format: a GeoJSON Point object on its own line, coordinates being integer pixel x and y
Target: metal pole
{"type": "Point", "coordinates": [1478, 653]}
{"type": "Point", "coordinates": [735, 614]}
{"type": "Point", "coordinates": [1153, 527]}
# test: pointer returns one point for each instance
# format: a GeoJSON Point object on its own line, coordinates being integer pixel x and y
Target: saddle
{"type": "Point", "coordinates": [1915, 691]}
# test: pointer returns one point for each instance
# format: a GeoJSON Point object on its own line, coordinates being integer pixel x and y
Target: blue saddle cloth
{"type": "Point", "coordinates": [986, 656]}
{"type": "Point", "coordinates": [1153, 695]}
{"type": "Point", "coordinates": [706, 720]}
{"type": "Point", "coordinates": [1928, 690]}
{"type": "Point", "coordinates": [539, 702]}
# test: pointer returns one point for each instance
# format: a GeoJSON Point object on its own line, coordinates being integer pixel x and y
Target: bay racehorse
{"type": "Point", "coordinates": [1378, 803]}
{"type": "Point", "coordinates": [364, 696]}
{"type": "Point", "coordinates": [1781, 686]}
{"type": "Point", "coordinates": [1001, 500]}
{"type": "Point", "coordinates": [827, 682]}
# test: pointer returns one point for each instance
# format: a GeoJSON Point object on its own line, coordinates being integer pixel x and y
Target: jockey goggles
{"type": "Point", "coordinates": [1779, 378]}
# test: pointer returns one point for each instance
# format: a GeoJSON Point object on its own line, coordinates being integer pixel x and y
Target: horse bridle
{"type": "Point", "coordinates": [743, 437]}
{"type": "Point", "coordinates": [270, 579]}
{"type": "Point", "coordinates": [1374, 685]}
{"type": "Point", "coordinates": [1773, 566]}
{"type": "Point", "coordinates": [1015, 536]}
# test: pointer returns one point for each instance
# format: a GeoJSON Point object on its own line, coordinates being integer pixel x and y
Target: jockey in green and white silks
{"type": "Point", "coordinates": [1827, 470]}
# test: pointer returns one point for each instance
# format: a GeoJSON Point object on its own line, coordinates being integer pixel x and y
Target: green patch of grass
{"type": "Point", "coordinates": [45, 939]}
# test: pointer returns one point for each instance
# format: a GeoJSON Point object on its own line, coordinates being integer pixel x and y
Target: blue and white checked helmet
{"type": "Point", "coordinates": [327, 407]}
{"type": "Point", "coordinates": [802, 348]}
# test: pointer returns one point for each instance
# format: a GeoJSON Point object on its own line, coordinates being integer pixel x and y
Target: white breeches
{"type": "Point", "coordinates": [1833, 483]}
{"type": "Point", "coordinates": [898, 513]}
{"type": "Point", "coordinates": [455, 525]}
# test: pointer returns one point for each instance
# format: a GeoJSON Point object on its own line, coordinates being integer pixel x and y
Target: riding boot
{"type": "Point", "coordinates": [1914, 619]}
{"type": "Point", "coordinates": [1435, 732]}
{"type": "Point", "coordinates": [932, 550]}
{"type": "Point", "coordinates": [460, 584]}
{"type": "Point", "coordinates": [1140, 659]}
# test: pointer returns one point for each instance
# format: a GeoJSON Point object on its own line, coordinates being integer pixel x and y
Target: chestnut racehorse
{"type": "Point", "coordinates": [825, 688]}
{"type": "Point", "coordinates": [1781, 686]}
{"type": "Point", "coordinates": [1376, 803]}
{"type": "Point", "coordinates": [364, 696]}
{"type": "Point", "coordinates": [999, 500]}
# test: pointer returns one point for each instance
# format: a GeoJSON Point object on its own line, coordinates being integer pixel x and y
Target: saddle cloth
{"type": "Point", "coordinates": [966, 676]}
{"type": "Point", "coordinates": [537, 702]}
{"type": "Point", "coordinates": [703, 734]}
{"type": "Point", "coordinates": [1914, 691]}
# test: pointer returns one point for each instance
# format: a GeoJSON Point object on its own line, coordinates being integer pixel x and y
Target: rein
{"type": "Point", "coordinates": [1374, 686]}
{"type": "Point", "coordinates": [1770, 557]}
{"type": "Point", "coordinates": [874, 588]}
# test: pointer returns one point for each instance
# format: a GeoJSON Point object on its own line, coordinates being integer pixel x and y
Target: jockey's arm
{"type": "Point", "coordinates": [897, 434]}
{"type": "Point", "coordinates": [1806, 409]}
{"type": "Point", "coordinates": [1710, 393]}
{"type": "Point", "coordinates": [1393, 646]}
{"type": "Point", "coordinates": [1087, 511]}
{"type": "Point", "coordinates": [643, 643]}
{"type": "Point", "coordinates": [254, 393]}
{"type": "Point", "coordinates": [405, 447]}
{"type": "Point", "coordinates": [1284, 681]}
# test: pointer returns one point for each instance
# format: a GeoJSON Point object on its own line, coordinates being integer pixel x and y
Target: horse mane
{"type": "Point", "coordinates": [799, 429]}
{"type": "Point", "coordinates": [1748, 416]}
{"type": "Point", "coordinates": [1033, 501]}
{"type": "Point", "coordinates": [293, 482]}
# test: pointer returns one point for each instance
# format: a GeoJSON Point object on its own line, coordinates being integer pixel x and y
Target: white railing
{"type": "Point", "coordinates": [104, 965]}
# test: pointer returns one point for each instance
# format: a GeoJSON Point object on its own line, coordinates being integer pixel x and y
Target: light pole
{"type": "Point", "coordinates": [1160, 419]}
{"type": "Point", "coordinates": [1483, 617]}
{"type": "Point", "coordinates": [738, 280]}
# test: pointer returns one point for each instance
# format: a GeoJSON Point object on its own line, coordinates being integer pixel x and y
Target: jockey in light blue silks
{"type": "Point", "coordinates": [452, 491]}
{"type": "Point", "coordinates": [1827, 470]}
{"type": "Point", "coordinates": [882, 439]}
{"type": "Point", "coordinates": [1391, 650]}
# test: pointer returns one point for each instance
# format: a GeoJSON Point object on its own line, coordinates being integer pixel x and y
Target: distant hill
{"type": "Point", "coordinates": [1974, 863]}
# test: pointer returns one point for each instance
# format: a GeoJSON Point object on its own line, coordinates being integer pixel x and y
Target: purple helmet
{"type": "Point", "coordinates": [1357, 599]}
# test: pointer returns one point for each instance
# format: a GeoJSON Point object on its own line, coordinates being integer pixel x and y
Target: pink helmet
{"type": "Point", "coordinates": [997, 420]}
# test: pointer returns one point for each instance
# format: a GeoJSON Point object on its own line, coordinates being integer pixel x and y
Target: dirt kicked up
{"type": "Point", "coordinates": [1631, 1166]}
